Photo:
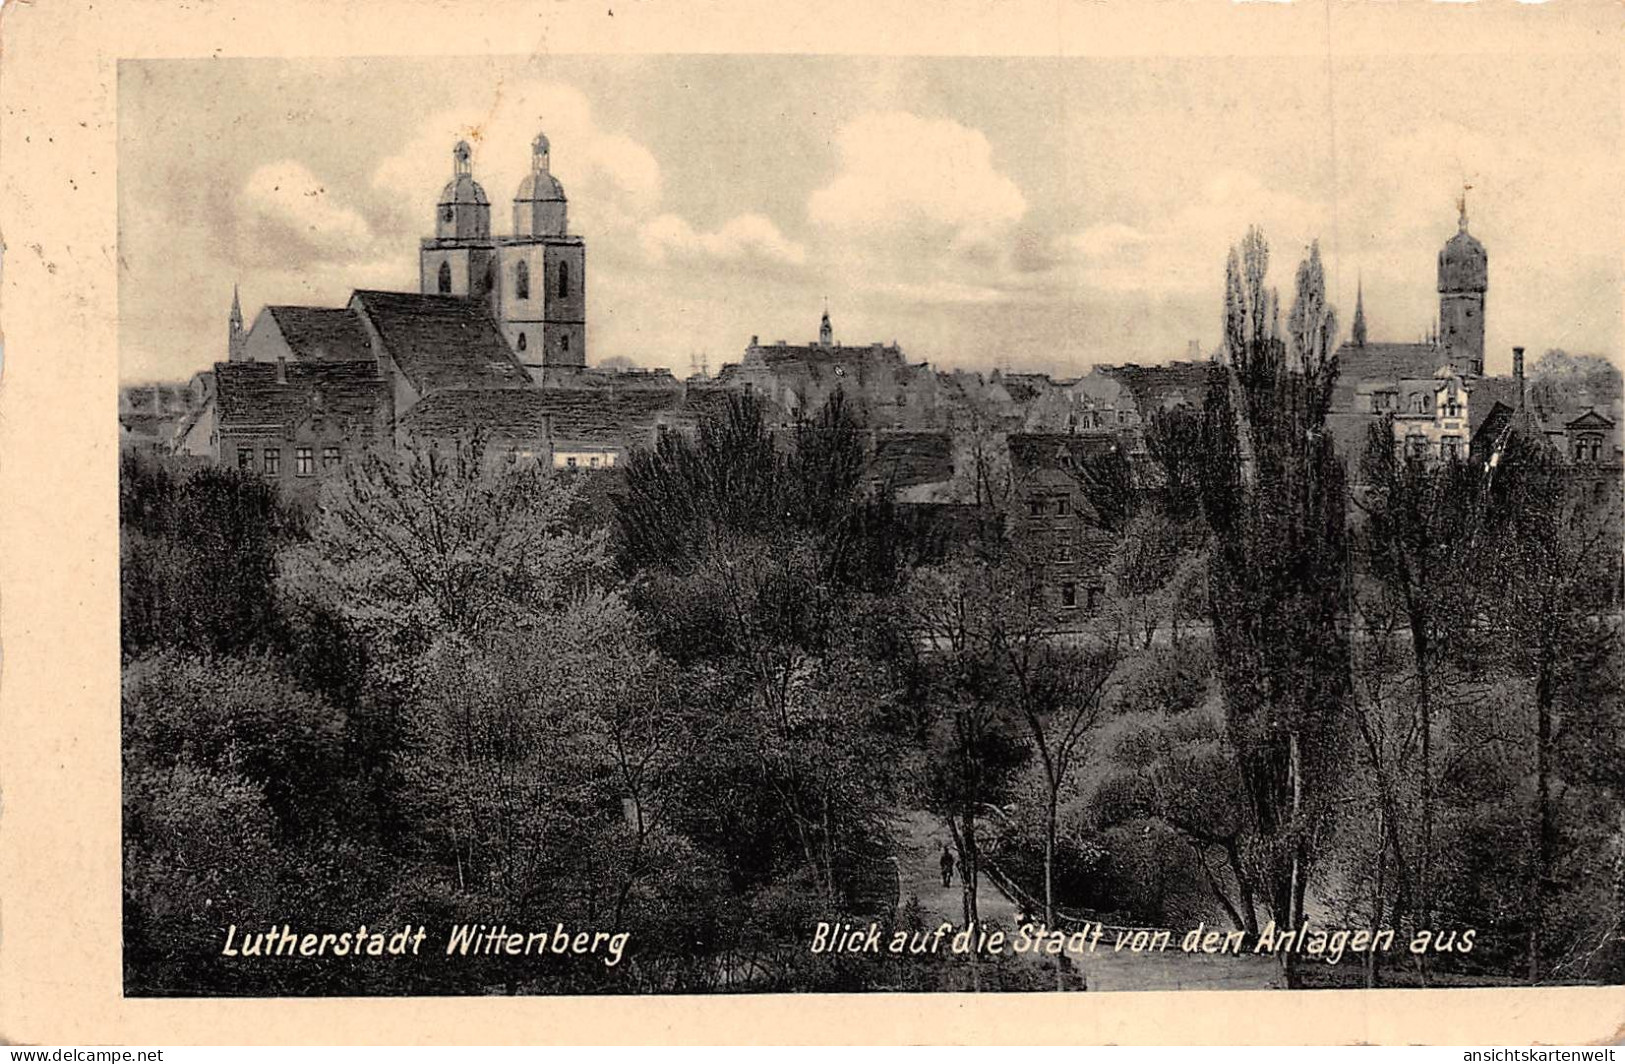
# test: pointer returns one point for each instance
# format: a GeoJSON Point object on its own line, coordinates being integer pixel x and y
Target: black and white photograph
{"type": "Point", "coordinates": [739, 524]}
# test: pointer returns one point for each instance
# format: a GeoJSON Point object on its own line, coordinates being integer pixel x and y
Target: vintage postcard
{"type": "Point", "coordinates": [637, 513]}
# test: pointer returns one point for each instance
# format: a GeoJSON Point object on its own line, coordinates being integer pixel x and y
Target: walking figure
{"type": "Point", "coordinates": [947, 866]}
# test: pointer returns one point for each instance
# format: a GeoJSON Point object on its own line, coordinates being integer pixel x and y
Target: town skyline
{"type": "Point", "coordinates": [930, 202]}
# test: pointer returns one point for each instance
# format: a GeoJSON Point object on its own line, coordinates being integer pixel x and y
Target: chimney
{"type": "Point", "coordinates": [1517, 371]}
{"type": "Point", "coordinates": [282, 371]}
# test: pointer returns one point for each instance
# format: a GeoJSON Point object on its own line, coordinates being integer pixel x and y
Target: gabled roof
{"type": "Point", "coordinates": [1482, 396]}
{"type": "Point", "coordinates": [1590, 420]}
{"type": "Point", "coordinates": [509, 413]}
{"type": "Point", "coordinates": [442, 342]}
{"type": "Point", "coordinates": [248, 393]}
{"type": "Point", "coordinates": [322, 334]}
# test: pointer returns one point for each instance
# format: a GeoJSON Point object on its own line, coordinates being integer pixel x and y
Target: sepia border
{"type": "Point", "coordinates": [60, 965]}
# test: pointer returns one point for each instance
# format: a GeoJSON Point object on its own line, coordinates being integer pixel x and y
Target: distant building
{"type": "Point", "coordinates": [799, 378]}
{"type": "Point", "coordinates": [1434, 389]}
{"type": "Point", "coordinates": [1055, 521]}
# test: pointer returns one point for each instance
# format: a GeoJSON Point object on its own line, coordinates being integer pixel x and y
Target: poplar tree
{"type": "Point", "coordinates": [1274, 495]}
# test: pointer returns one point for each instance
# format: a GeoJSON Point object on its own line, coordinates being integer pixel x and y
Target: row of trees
{"type": "Point", "coordinates": [693, 698]}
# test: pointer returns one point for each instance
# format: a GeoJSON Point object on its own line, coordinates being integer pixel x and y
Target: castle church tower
{"type": "Point", "coordinates": [541, 298]}
{"type": "Point", "coordinates": [460, 259]}
{"type": "Point", "coordinates": [1463, 280]}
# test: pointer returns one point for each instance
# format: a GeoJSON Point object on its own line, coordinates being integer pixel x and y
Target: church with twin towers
{"type": "Point", "coordinates": [534, 280]}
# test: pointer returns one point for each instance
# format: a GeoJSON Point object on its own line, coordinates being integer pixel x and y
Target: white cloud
{"type": "Point", "coordinates": [902, 171]}
{"type": "Point", "coordinates": [1185, 251]}
{"type": "Point", "coordinates": [287, 212]}
{"type": "Point", "coordinates": [748, 238]}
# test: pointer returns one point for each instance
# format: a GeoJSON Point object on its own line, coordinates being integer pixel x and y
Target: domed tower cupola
{"type": "Point", "coordinates": [539, 206]}
{"type": "Point", "coordinates": [1463, 280]}
{"type": "Point", "coordinates": [463, 212]}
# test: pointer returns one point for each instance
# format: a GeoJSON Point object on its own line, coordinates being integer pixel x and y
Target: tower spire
{"type": "Point", "coordinates": [235, 335]}
{"type": "Point", "coordinates": [1358, 331]}
{"type": "Point", "coordinates": [1461, 208]}
{"type": "Point", "coordinates": [826, 333]}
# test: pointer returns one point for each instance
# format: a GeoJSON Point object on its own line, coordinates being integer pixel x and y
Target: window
{"type": "Point", "coordinates": [564, 279]}
{"type": "Point", "coordinates": [1417, 446]}
{"type": "Point", "coordinates": [304, 462]}
{"type": "Point", "coordinates": [1062, 552]}
{"type": "Point", "coordinates": [1063, 505]}
{"type": "Point", "coordinates": [245, 458]}
{"type": "Point", "coordinates": [1452, 409]}
{"type": "Point", "coordinates": [521, 341]}
{"type": "Point", "coordinates": [1035, 507]}
{"type": "Point", "coordinates": [1094, 597]}
{"type": "Point", "coordinates": [521, 280]}
{"type": "Point", "coordinates": [273, 460]}
{"type": "Point", "coordinates": [593, 461]}
{"type": "Point", "coordinates": [1452, 447]}
{"type": "Point", "coordinates": [570, 461]}
{"type": "Point", "coordinates": [564, 341]}
{"type": "Point", "coordinates": [445, 278]}
{"type": "Point", "coordinates": [1069, 595]}
{"type": "Point", "coordinates": [330, 457]}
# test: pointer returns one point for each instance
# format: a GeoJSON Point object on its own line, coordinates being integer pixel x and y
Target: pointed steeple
{"type": "Point", "coordinates": [236, 337]}
{"type": "Point", "coordinates": [1358, 330]}
{"type": "Point", "coordinates": [826, 334]}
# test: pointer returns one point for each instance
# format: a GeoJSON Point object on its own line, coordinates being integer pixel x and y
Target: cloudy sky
{"type": "Point", "coordinates": [1039, 213]}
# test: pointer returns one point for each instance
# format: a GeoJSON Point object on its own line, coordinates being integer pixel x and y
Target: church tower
{"type": "Point", "coordinates": [826, 332]}
{"type": "Point", "coordinates": [237, 338]}
{"type": "Point", "coordinates": [460, 259]}
{"type": "Point", "coordinates": [1463, 280]}
{"type": "Point", "coordinates": [541, 295]}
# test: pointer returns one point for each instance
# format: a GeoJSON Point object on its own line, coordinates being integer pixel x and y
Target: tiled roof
{"type": "Point", "coordinates": [1157, 387]}
{"type": "Point", "coordinates": [625, 418]}
{"type": "Point", "coordinates": [906, 459]}
{"type": "Point", "coordinates": [322, 334]}
{"type": "Point", "coordinates": [443, 341]}
{"type": "Point", "coordinates": [248, 393]}
{"type": "Point", "coordinates": [1483, 394]}
{"type": "Point", "coordinates": [510, 413]}
{"type": "Point", "coordinates": [1385, 362]}
{"type": "Point", "coordinates": [1031, 451]}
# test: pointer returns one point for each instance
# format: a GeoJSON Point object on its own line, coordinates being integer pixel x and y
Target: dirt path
{"type": "Point", "coordinates": [919, 850]}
